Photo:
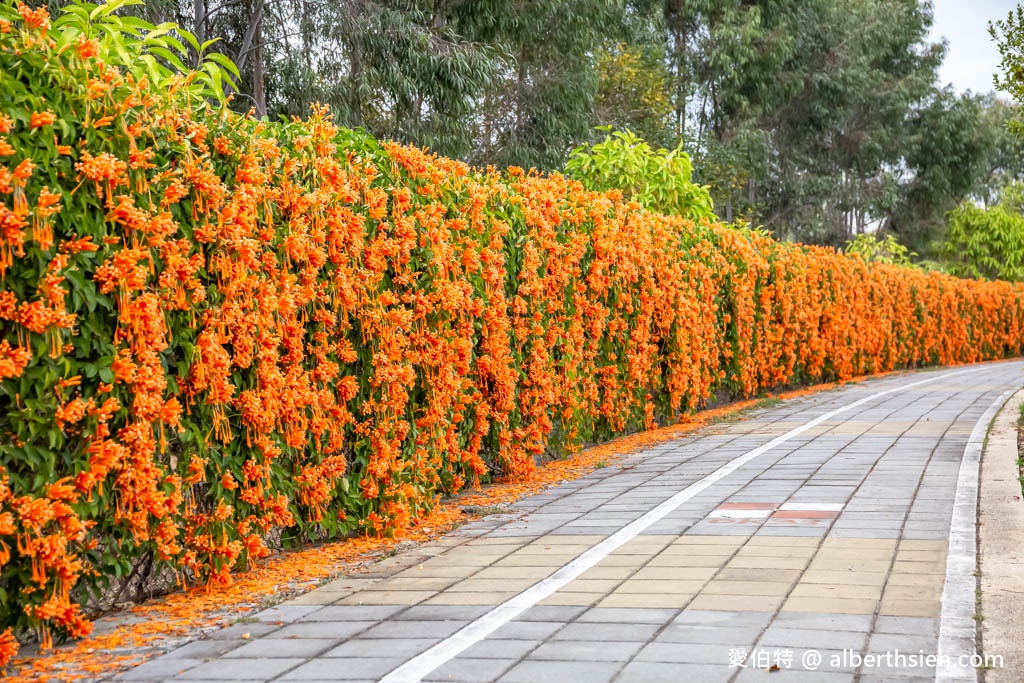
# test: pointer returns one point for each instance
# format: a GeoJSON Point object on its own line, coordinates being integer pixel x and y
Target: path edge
{"type": "Point", "coordinates": [1000, 548]}
{"type": "Point", "coordinates": [958, 633]}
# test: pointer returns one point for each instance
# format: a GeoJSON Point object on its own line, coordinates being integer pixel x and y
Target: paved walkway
{"type": "Point", "coordinates": [816, 536]}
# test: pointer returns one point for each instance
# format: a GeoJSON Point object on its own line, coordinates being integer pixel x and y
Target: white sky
{"type": "Point", "coordinates": [972, 57]}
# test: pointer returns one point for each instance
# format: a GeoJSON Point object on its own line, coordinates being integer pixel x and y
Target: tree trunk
{"type": "Point", "coordinates": [199, 11]}
{"type": "Point", "coordinates": [258, 87]}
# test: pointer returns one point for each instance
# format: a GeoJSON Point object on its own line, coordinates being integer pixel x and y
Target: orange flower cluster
{"type": "Point", "coordinates": [218, 331]}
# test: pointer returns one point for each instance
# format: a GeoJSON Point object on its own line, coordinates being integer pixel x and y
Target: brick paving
{"type": "Point", "coordinates": [829, 547]}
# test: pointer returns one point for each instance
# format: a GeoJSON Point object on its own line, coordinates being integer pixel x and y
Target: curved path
{"type": "Point", "coordinates": [831, 537]}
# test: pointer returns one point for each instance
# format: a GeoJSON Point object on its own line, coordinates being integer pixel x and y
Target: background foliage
{"type": "Point", "coordinates": [660, 180]}
{"type": "Point", "coordinates": [821, 119]}
{"type": "Point", "coordinates": [220, 335]}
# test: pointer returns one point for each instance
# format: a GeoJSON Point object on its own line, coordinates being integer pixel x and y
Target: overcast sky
{"type": "Point", "coordinates": [972, 57]}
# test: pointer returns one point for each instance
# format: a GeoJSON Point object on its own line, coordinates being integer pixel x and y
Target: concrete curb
{"type": "Point", "coordinates": [1001, 548]}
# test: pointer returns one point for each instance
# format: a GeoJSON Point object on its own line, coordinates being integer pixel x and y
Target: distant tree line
{"type": "Point", "coordinates": [819, 119]}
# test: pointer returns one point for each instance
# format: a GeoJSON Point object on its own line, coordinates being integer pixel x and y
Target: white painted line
{"type": "Point", "coordinates": [419, 666]}
{"type": "Point", "coordinates": [957, 627]}
{"type": "Point", "coordinates": [813, 507]}
{"type": "Point", "coordinates": [741, 514]}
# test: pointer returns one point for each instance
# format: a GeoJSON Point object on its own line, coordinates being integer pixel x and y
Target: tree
{"type": "Point", "coordinates": [949, 150]}
{"type": "Point", "coordinates": [634, 92]}
{"type": "Point", "coordinates": [542, 102]}
{"type": "Point", "coordinates": [985, 243]}
{"type": "Point", "coordinates": [1009, 36]}
{"type": "Point", "coordinates": [660, 180]}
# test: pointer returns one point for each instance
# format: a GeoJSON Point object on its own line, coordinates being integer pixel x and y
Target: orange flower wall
{"type": "Point", "coordinates": [217, 331]}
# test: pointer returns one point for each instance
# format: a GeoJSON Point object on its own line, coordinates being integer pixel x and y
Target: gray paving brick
{"type": "Point", "coordinates": [664, 672]}
{"type": "Point", "coordinates": [831, 622]}
{"type": "Point", "coordinates": [286, 613]}
{"type": "Point", "coordinates": [587, 651]}
{"type": "Point", "coordinates": [627, 615]}
{"type": "Point", "coordinates": [159, 669]}
{"type": "Point", "coordinates": [796, 676]}
{"type": "Point", "coordinates": [244, 628]}
{"type": "Point", "coordinates": [323, 629]}
{"type": "Point", "coordinates": [908, 626]}
{"type": "Point", "coordinates": [204, 649]}
{"type": "Point", "coordinates": [501, 649]}
{"type": "Point", "coordinates": [717, 654]}
{"type": "Point", "coordinates": [527, 630]}
{"type": "Point", "coordinates": [414, 629]}
{"type": "Point", "coordinates": [470, 670]}
{"type": "Point", "coordinates": [351, 613]}
{"type": "Point", "coordinates": [226, 669]}
{"type": "Point", "coordinates": [817, 639]}
{"type": "Point", "coordinates": [607, 631]}
{"type": "Point", "coordinates": [342, 670]}
{"type": "Point", "coordinates": [383, 648]}
{"type": "Point", "coordinates": [532, 671]}
{"type": "Point", "coordinates": [284, 647]}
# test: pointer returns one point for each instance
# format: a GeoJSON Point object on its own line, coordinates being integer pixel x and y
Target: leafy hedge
{"type": "Point", "coordinates": [216, 331]}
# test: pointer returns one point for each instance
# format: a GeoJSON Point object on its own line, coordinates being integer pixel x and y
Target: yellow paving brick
{"type": "Point", "coordinates": [854, 578]}
{"type": "Point", "coordinates": [569, 539]}
{"type": "Point", "coordinates": [740, 574]}
{"type": "Point", "coordinates": [645, 545]}
{"type": "Point", "coordinates": [910, 608]}
{"type": "Point", "coordinates": [747, 587]}
{"type": "Point", "coordinates": [559, 550]}
{"type": "Point", "coordinates": [875, 566]}
{"type": "Point", "coordinates": [898, 592]}
{"type": "Point", "coordinates": [572, 599]}
{"type": "Point", "coordinates": [910, 544]}
{"type": "Point", "coordinates": [614, 560]}
{"type": "Point", "coordinates": [461, 560]}
{"type": "Point", "coordinates": [590, 585]}
{"type": "Point", "coordinates": [487, 585]}
{"type": "Point", "coordinates": [538, 560]}
{"type": "Point", "coordinates": [608, 573]}
{"type": "Point", "coordinates": [712, 540]}
{"type": "Point", "coordinates": [675, 573]}
{"type": "Point", "coordinates": [919, 567]}
{"type": "Point", "coordinates": [450, 597]}
{"type": "Point", "coordinates": [386, 598]}
{"type": "Point", "coordinates": [932, 581]}
{"type": "Point", "coordinates": [834, 542]}
{"type": "Point", "coordinates": [647, 600]}
{"type": "Point", "coordinates": [439, 572]}
{"type": "Point", "coordinates": [415, 583]}
{"type": "Point", "coordinates": [783, 541]}
{"type": "Point", "coordinates": [501, 540]}
{"type": "Point", "coordinates": [920, 556]}
{"type": "Point", "coordinates": [830, 605]}
{"type": "Point", "coordinates": [659, 586]}
{"type": "Point", "coordinates": [688, 561]}
{"type": "Point", "coordinates": [826, 590]}
{"type": "Point", "coordinates": [699, 549]}
{"type": "Point", "coordinates": [738, 603]}
{"type": "Point", "coordinates": [879, 554]}
{"type": "Point", "coordinates": [535, 573]}
{"type": "Point", "coordinates": [762, 550]}
{"type": "Point", "coordinates": [764, 563]}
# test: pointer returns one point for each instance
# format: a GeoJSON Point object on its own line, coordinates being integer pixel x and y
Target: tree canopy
{"type": "Point", "coordinates": [819, 119]}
